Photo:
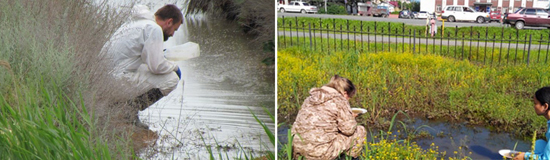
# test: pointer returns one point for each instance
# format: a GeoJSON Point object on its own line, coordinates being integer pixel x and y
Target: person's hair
{"type": "Point", "coordinates": [543, 95]}
{"type": "Point", "coordinates": [170, 11]}
{"type": "Point", "coordinates": [342, 85]}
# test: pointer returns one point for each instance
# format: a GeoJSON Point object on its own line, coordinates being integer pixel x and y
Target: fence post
{"type": "Point", "coordinates": [403, 38]}
{"type": "Point", "coordinates": [321, 33]}
{"type": "Point", "coordinates": [341, 38]}
{"type": "Point", "coordinates": [310, 42]}
{"type": "Point", "coordinates": [361, 23]}
{"type": "Point", "coordinates": [284, 43]}
{"type": "Point", "coordinates": [375, 50]}
{"type": "Point", "coordinates": [470, 39]}
{"type": "Point", "coordinates": [414, 41]}
{"type": "Point", "coordinates": [529, 50]}
{"type": "Point", "coordinates": [347, 31]}
{"type": "Point", "coordinates": [290, 28]}
{"type": "Point", "coordinates": [389, 36]}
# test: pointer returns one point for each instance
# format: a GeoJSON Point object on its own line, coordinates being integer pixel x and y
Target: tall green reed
{"type": "Point", "coordinates": [48, 106]}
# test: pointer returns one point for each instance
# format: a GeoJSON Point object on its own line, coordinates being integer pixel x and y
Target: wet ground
{"type": "Point", "coordinates": [212, 106]}
{"type": "Point", "coordinates": [473, 141]}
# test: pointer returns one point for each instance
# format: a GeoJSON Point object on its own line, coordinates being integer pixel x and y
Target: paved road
{"type": "Point", "coordinates": [419, 22]}
{"type": "Point", "coordinates": [386, 39]}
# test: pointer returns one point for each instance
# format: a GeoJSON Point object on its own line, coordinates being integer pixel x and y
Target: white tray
{"type": "Point", "coordinates": [359, 110]}
{"type": "Point", "coordinates": [507, 153]}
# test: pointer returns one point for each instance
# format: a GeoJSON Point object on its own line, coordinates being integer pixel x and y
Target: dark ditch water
{"type": "Point", "coordinates": [474, 141]}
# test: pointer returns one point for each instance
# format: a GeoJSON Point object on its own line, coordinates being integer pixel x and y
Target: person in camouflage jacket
{"type": "Point", "coordinates": [325, 126]}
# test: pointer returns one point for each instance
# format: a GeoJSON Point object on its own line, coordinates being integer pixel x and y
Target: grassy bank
{"type": "Point", "coordinates": [507, 33]}
{"type": "Point", "coordinates": [50, 75]}
{"type": "Point", "coordinates": [488, 53]}
{"type": "Point", "coordinates": [426, 85]}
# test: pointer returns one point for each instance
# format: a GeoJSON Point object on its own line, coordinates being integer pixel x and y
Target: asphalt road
{"type": "Point", "coordinates": [419, 22]}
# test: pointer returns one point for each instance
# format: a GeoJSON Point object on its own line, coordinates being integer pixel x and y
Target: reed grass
{"type": "Point", "coordinates": [48, 95]}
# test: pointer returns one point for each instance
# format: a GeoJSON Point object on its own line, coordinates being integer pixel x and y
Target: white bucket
{"type": "Point", "coordinates": [182, 52]}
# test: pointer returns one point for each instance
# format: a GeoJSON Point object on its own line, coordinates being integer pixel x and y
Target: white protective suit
{"type": "Point", "coordinates": [136, 51]}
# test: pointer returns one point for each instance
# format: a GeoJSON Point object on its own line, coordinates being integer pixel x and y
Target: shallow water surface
{"type": "Point", "coordinates": [473, 141]}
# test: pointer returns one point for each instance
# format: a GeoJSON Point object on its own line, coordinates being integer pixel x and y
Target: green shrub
{"type": "Point", "coordinates": [333, 9]}
{"type": "Point", "coordinates": [499, 97]}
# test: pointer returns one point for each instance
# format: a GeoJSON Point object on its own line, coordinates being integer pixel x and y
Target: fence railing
{"type": "Point", "coordinates": [495, 48]}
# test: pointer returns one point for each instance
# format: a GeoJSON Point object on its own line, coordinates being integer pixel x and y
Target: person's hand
{"type": "Point", "coordinates": [520, 156]}
{"type": "Point", "coordinates": [178, 72]}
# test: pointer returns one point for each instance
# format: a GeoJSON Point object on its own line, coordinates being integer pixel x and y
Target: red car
{"type": "Point", "coordinates": [536, 17]}
{"type": "Point", "coordinates": [495, 16]}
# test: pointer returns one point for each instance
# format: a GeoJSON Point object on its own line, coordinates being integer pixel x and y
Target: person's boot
{"type": "Point", "coordinates": [148, 98]}
{"type": "Point", "coordinates": [141, 103]}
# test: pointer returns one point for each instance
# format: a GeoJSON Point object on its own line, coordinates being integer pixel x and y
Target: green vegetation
{"type": "Point", "coordinates": [47, 57]}
{"type": "Point", "coordinates": [498, 97]}
{"type": "Point", "coordinates": [491, 33]}
{"type": "Point", "coordinates": [333, 8]}
{"type": "Point", "coordinates": [486, 53]}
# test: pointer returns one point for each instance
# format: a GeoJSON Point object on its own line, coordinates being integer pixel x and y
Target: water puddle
{"type": "Point", "coordinates": [473, 141]}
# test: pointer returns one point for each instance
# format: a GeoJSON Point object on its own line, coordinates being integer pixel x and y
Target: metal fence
{"type": "Point", "coordinates": [486, 47]}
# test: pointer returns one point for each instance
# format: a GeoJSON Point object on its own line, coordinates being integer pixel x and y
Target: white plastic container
{"type": "Point", "coordinates": [182, 52]}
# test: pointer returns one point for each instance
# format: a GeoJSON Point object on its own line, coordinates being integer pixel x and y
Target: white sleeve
{"type": "Point", "coordinates": [152, 53]}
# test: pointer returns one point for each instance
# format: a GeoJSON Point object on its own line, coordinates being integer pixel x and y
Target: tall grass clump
{"type": "Point", "coordinates": [53, 85]}
{"type": "Point", "coordinates": [432, 86]}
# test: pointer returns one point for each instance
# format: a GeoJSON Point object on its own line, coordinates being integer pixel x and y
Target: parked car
{"type": "Point", "coordinates": [463, 13]}
{"type": "Point", "coordinates": [536, 17]}
{"type": "Point", "coordinates": [378, 11]}
{"type": "Point", "coordinates": [296, 6]}
{"type": "Point", "coordinates": [495, 16]}
{"type": "Point", "coordinates": [372, 10]}
{"type": "Point", "coordinates": [406, 14]}
{"type": "Point", "coordinates": [422, 15]}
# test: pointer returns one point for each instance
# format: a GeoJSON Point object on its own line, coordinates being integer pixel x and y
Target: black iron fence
{"type": "Point", "coordinates": [487, 47]}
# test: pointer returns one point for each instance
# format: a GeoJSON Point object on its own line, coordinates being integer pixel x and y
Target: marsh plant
{"type": "Point", "coordinates": [54, 91]}
{"type": "Point", "coordinates": [421, 84]}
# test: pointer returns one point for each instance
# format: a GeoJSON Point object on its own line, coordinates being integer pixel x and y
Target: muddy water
{"type": "Point", "coordinates": [472, 141]}
{"type": "Point", "coordinates": [212, 106]}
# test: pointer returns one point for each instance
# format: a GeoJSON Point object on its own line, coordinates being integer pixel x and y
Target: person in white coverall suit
{"type": "Point", "coordinates": [136, 51]}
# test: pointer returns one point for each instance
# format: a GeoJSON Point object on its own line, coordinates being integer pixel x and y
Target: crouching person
{"type": "Point", "coordinates": [325, 126]}
{"type": "Point", "coordinates": [137, 56]}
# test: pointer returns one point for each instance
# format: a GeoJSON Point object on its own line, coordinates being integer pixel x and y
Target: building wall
{"type": "Point", "coordinates": [541, 3]}
{"type": "Point", "coordinates": [529, 3]}
{"type": "Point", "coordinates": [428, 5]}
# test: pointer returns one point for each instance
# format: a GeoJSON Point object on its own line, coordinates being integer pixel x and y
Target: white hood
{"type": "Point", "coordinates": [141, 12]}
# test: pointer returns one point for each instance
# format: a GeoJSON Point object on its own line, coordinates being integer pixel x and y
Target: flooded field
{"type": "Point", "coordinates": [472, 141]}
{"type": "Point", "coordinates": [212, 106]}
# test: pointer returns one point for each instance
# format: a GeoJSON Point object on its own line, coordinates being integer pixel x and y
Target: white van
{"type": "Point", "coordinates": [464, 13]}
